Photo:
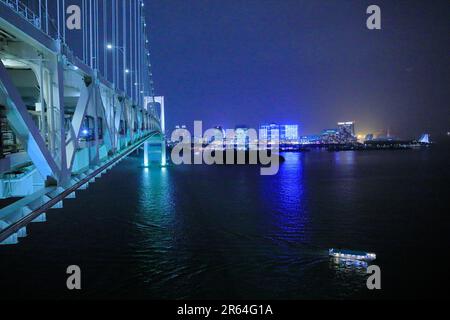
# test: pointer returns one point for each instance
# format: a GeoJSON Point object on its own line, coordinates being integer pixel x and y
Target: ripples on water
{"type": "Point", "coordinates": [227, 232]}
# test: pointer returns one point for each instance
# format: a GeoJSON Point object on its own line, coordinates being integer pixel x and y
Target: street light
{"type": "Point", "coordinates": [110, 47]}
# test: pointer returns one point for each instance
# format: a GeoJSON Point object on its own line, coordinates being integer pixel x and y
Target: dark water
{"type": "Point", "coordinates": [202, 232]}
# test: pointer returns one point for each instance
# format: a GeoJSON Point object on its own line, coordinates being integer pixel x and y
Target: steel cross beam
{"type": "Point", "coordinates": [23, 125]}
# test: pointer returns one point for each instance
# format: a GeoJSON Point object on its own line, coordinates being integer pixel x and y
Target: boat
{"type": "Point", "coordinates": [352, 255]}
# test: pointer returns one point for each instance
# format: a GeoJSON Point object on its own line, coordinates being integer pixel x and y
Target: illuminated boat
{"type": "Point", "coordinates": [352, 255]}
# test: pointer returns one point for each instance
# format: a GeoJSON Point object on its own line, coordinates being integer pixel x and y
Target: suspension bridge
{"type": "Point", "coordinates": [73, 101]}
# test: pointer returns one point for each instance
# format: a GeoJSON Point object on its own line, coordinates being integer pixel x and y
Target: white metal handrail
{"type": "Point", "coordinates": [21, 9]}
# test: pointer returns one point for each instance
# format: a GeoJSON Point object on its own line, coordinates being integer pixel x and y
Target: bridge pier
{"type": "Point", "coordinates": [155, 152]}
{"type": "Point", "coordinates": [155, 147]}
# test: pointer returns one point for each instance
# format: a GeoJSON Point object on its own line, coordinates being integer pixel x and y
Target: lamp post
{"type": "Point", "coordinates": [126, 71]}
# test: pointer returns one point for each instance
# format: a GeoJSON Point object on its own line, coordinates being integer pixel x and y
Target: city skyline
{"type": "Point", "coordinates": [295, 61]}
{"type": "Point", "coordinates": [351, 126]}
{"type": "Point", "coordinates": [302, 62]}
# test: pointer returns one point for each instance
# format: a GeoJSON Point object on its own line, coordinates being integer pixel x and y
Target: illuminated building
{"type": "Point", "coordinates": [311, 139]}
{"type": "Point", "coordinates": [242, 139]}
{"type": "Point", "coordinates": [425, 139]}
{"type": "Point", "coordinates": [278, 133]}
{"type": "Point", "coordinates": [330, 136]}
{"type": "Point", "coordinates": [289, 133]}
{"type": "Point", "coordinates": [268, 132]}
{"type": "Point", "coordinates": [348, 127]}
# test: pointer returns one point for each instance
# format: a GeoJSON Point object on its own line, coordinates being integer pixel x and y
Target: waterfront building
{"type": "Point", "coordinates": [284, 134]}
{"type": "Point", "coordinates": [267, 132]}
{"type": "Point", "coordinates": [310, 139]}
{"type": "Point", "coordinates": [330, 136]}
{"type": "Point", "coordinates": [425, 139]}
{"type": "Point", "coordinates": [343, 134]}
{"type": "Point", "coordinates": [347, 127]}
{"type": "Point", "coordinates": [289, 133]}
{"type": "Point", "coordinates": [242, 139]}
{"type": "Point", "coordinates": [230, 139]}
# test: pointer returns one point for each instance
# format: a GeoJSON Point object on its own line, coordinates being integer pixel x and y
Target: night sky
{"type": "Point", "coordinates": [311, 62]}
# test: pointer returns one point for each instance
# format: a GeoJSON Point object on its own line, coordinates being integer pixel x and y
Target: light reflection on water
{"type": "Point", "coordinates": [285, 195]}
{"type": "Point", "coordinates": [203, 225]}
{"type": "Point", "coordinates": [227, 232]}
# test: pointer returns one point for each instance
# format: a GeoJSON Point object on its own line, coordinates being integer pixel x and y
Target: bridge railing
{"type": "Point", "coordinates": [24, 11]}
{"type": "Point", "coordinates": [42, 22]}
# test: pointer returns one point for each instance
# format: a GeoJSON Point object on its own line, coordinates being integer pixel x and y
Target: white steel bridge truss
{"type": "Point", "coordinates": [48, 96]}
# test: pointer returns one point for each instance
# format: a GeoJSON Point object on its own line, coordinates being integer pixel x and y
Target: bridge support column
{"type": "Point", "coordinates": [146, 155]}
{"type": "Point", "coordinates": [61, 155]}
{"type": "Point", "coordinates": [163, 132]}
{"type": "Point", "coordinates": [163, 152]}
{"type": "Point", "coordinates": [155, 151]}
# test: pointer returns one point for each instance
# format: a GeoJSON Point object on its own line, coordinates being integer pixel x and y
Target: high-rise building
{"type": "Point", "coordinates": [289, 133]}
{"type": "Point", "coordinates": [241, 137]}
{"type": "Point", "coordinates": [272, 133]}
{"type": "Point", "coordinates": [342, 135]}
{"type": "Point", "coordinates": [330, 136]}
{"type": "Point", "coordinates": [348, 127]}
{"type": "Point", "coordinates": [268, 131]}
